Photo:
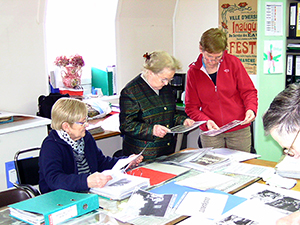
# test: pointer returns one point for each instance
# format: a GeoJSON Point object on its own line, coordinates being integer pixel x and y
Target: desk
{"type": "Point", "coordinates": [108, 141]}
{"type": "Point", "coordinates": [24, 132]}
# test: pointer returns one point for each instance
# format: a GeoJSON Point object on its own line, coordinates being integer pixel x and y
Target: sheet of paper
{"type": "Point", "coordinates": [251, 170]}
{"type": "Point", "coordinates": [205, 181]}
{"type": "Point", "coordinates": [249, 212]}
{"type": "Point", "coordinates": [210, 205]}
{"type": "Point", "coordinates": [236, 155]}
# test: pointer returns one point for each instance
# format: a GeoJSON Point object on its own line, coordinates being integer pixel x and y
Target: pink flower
{"type": "Point", "coordinates": [75, 60]}
{"type": "Point", "coordinates": [61, 61]}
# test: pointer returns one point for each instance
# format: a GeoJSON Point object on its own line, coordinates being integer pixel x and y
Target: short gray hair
{"type": "Point", "coordinates": [284, 111]}
{"type": "Point", "coordinates": [67, 110]}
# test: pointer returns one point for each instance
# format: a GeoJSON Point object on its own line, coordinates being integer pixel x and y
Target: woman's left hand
{"type": "Point", "coordinates": [249, 117]}
{"type": "Point", "coordinates": [188, 122]}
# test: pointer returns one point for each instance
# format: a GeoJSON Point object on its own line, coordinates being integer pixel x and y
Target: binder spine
{"type": "Point", "coordinates": [293, 20]}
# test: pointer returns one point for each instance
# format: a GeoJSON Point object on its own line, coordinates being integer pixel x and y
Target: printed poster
{"type": "Point", "coordinates": [239, 21]}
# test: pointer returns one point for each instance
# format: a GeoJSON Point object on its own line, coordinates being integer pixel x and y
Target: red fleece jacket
{"type": "Point", "coordinates": [229, 100]}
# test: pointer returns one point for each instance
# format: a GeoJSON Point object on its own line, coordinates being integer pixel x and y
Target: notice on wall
{"type": "Point", "coordinates": [274, 19]}
{"type": "Point", "coordinates": [273, 62]}
{"type": "Point", "coordinates": [239, 21]}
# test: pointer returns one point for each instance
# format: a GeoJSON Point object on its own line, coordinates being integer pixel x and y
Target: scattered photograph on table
{"type": "Point", "coordinates": [277, 200]}
{"type": "Point", "coordinates": [150, 204]}
{"type": "Point", "coordinates": [233, 219]}
{"type": "Point", "coordinates": [209, 159]}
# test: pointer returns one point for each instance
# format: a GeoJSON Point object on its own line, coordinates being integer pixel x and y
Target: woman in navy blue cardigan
{"type": "Point", "coordinates": [69, 157]}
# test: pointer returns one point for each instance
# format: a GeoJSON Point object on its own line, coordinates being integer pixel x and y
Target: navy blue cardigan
{"type": "Point", "coordinates": [58, 168]}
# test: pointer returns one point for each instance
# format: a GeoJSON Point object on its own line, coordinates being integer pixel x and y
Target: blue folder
{"type": "Point", "coordinates": [172, 188]}
{"type": "Point", "coordinates": [58, 206]}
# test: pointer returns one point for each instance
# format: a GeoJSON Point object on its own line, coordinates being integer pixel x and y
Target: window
{"type": "Point", "coordinates": [84, 27]}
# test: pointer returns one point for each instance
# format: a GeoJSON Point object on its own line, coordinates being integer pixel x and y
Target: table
{"type": "Point", "coordinates": [99, 215]}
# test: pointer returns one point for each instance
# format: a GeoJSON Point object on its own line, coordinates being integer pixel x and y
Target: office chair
{"type": "Point", "coordinates": [27, 170]}
{"type": "Point", "coordinates": [12, 196]}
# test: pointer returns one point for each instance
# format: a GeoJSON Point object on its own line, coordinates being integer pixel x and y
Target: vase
{"type": "Point", "coordinates": [71, 76]}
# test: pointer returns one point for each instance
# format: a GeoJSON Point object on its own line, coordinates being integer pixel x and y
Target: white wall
{"type": "Point", "coordinates": [140, 26]}
{"type": "Point", "coordinates": [192, 18]}
{"type": "Point", "coordinates": [170, 25]}
{"type": "Point", "coordinates": [22, 66]}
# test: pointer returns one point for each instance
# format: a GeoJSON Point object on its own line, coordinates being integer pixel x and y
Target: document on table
{"type": "Point", "coordinates": [251, 170]}
{"type": "Point", "coordinates": [205, 181]}
{"type": "Point", "coordinates": [210, 205]}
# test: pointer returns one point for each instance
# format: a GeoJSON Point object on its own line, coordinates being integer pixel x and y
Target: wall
{"type": "Point", "coordinates": [170, 25]}
{"type": "Point", "coordinates": [268, 85]}
{"type": "Point", "coordinates": [22, 66]}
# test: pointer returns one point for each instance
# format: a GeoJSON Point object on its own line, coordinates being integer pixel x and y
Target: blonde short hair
{"type": "Point", "coordinates": [67, 110]}
{"type": "Point", "coordinates": [157, 61]}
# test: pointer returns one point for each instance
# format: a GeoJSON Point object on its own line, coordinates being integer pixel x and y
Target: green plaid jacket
{"type": "Point", "coordinates": [140, 109]}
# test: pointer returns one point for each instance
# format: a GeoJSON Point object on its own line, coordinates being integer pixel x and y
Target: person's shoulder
{"type": "Point", "coordinates": [133, 84]}
{"type": "Point", "coordinates": [197, 64]}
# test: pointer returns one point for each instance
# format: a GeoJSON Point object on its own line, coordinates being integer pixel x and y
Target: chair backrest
{"type": "Point", "coordinates": [27, 168]}
{"type": "Point", "coordinates": [12, 196]}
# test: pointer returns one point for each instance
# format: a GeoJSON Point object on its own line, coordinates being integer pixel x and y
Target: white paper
{"type": "Point", "coordinates": [210, 205]}
{"type": "Point", "coordinates": [274, 19]}
{"type": "Point", "coordinates": [236, 155]}
{"type": "Point", "coordinates": [249, 212]}
{"type": "Point", "coordinates": [205, 181]}
{"type": "Point", "coordinates": [251, 170]}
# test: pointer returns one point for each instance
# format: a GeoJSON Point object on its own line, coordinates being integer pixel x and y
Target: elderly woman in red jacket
{"type": "Point", "coordinates": [219, 90]}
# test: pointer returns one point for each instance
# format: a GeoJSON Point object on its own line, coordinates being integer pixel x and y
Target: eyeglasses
{"type": "Point", "coordinates": [165, 80]}
{"type": "Point", "coordinates": [287, 151]}
{"type": "Point", "coordinates": [85, 123]}
{"type": "Point", "coordinates": [211, 58]}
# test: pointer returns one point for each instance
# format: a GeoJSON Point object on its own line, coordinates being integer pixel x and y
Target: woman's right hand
{"type": "Point", "coordinates": [160, 131]}
{"type": "Point", "coordinates": [97, 180]}
{"type": "Point", "coordinates": [211, 125]}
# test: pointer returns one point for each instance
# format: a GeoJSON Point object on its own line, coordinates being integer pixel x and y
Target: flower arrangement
{"type": "Point", "coordinates": [74, 60]}
{"type": "Point", "coordinates": [70, 70]}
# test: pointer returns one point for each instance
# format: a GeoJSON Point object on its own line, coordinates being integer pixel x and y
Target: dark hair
{"type": "Point", "coordinates": [213, 40]}
{"type": "Point", "coordinates": [284, 111]}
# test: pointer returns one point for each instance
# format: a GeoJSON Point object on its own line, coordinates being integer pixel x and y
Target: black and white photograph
{"type": "Point", "coordinates": [233, 219]}
{"type": "Point", "coordinates": [278, 201]}
{"type": "Point", "coordinates": [150, 204]}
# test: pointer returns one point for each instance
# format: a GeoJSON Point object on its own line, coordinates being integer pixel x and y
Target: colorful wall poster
{"type": "Point", "coordinates": [273, 62]}
{"type": "Point", "coordinates": [239, 21]}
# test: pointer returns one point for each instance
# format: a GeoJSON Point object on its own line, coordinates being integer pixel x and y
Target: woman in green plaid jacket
{"type": "Point", "coordinates": [148, 109]}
